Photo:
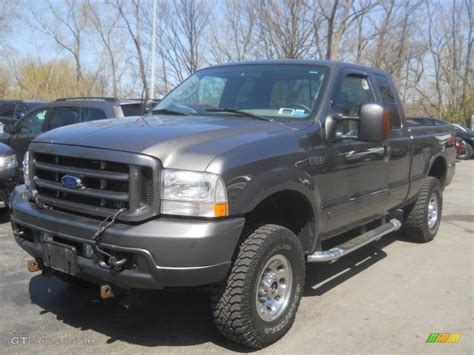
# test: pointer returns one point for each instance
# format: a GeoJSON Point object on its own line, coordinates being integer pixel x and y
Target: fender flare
{"type": "Point", "coordinates": [258, 188]}
{"type": "Point", "coordinates": [431, 162]}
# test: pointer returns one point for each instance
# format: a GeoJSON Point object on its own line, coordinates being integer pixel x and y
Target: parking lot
{"type": "Point", "coordinates": [387, 297]}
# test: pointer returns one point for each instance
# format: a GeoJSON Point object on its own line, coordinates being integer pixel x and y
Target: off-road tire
{"type": "Point", "coordinates": [416, 226]}
{"type": "Point", "coordinates": [234, 300]}
{"type": "Point", "coordinates": [468, 154]}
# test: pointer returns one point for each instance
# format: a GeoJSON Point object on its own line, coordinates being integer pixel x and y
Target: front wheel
{"type": "Point", "coordinates": [257, 303]}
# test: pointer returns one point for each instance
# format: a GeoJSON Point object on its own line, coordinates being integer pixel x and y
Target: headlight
{"type": "Point", "coordinates": [26, 169]}
{"type": "Point", "coordinates": [8, 162]}
{"type": "Point", "coordinates": [189, 193]}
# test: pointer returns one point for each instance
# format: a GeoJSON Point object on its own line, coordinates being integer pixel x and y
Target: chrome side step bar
{"type": "Point", "coordinates": [355, 243]}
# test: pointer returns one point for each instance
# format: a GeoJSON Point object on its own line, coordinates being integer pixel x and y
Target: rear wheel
{"type": "Point", "coordinates": [468, 153]}
{"type": "Point", "coordinates": [257, 303]}
{"type": "Point", "coordinates": [422, 218]}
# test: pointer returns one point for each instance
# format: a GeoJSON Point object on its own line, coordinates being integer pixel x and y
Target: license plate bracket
{"type": "Point", "coordinates": [60, 257]}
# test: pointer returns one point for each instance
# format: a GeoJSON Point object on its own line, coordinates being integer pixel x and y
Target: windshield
{"type": "Point", "coordinates": [265, 90]}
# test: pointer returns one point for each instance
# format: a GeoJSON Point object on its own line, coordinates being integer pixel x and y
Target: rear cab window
{"type": "Point", "coordinates": [389, 100]}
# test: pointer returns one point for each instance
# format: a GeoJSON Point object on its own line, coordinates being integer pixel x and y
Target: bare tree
{"type": "Point", "coordinates": [284, 28]}
{"type": "Point", "coordinates": [106, 28]}
{"type": "Point", "coordinates": [185, 40]}
{"type": "Point", "coordinates": [132, 18]}
{"type": "Point", "coordinates": [234, 36]}
{"type": "Point", "coordinates": [66, 26]}
{"type": "Point", "coordinates": [339, 16]}
{"type": "Point", "coordinates": [7, 16]}
{"type": "Point", "coordinates": [426, 45]}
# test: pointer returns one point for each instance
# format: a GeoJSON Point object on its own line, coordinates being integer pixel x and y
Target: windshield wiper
{"type": "Point", "coordinates": [165, 111]}
{"type": "Point", "coordinates": [238, 112]}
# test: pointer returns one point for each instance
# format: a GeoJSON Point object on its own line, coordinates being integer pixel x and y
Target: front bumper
{"type": "Point", "coordinates": [163, 252]}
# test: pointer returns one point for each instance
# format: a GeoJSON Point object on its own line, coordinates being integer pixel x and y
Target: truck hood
{"type": "Point", "coordinates": [188, 142]}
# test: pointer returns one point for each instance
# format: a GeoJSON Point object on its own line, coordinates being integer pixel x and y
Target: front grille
{"type": "Point", "coordinates": [106, 185]}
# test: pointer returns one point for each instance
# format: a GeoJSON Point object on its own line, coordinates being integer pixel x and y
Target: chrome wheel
{"type": "Point", "coordinates": [274, 288]}
{"type": "Point", "coordinates": [433, 212]}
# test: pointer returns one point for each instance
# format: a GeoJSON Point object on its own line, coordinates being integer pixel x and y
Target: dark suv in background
{"type": "Point", "coordinates": [16, 109]}
{"type": "Point", "coordinates": [63, 112]}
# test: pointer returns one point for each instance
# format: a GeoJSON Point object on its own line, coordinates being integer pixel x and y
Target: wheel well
{"type": "Point", "coordinates": [438, 170]}
{"type": "Point", "coordinates": [289, 209]}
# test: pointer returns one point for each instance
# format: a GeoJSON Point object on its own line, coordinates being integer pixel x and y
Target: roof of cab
{"type": "Point", "coordinates": [328, 63]}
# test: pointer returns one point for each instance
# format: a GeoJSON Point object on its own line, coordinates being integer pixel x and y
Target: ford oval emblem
{"type": "Point", "coordinates": [72, 182]}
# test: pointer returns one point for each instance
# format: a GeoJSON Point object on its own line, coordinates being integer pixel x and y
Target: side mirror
{"type": "Point", "coordinates": [20, 115]}
{"type": "Point", "coordinates": [9, 128]}
{"type": "Point", "coordinates": [374, 123]}
{"type": "Point", "coordinates": [149, 104]}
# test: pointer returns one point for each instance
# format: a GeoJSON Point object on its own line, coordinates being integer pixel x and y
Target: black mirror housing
{"type": "Point", "coordinates": [373, 123]}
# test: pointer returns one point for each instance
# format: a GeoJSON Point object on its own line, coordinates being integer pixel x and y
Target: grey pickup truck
{"type": "Point", "coordinates": [234, 181]}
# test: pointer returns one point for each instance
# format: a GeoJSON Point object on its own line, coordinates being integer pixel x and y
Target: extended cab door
{"type": "Point", "coordinates": [354, 189]}
{"type": "Point", "coordinates": [26, 130]}
{"type": "Point", "coordinates": [398, 144]}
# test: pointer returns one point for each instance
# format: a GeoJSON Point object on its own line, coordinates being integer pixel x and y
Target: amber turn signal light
{"type": "Point", "coordinates": [221, 210]}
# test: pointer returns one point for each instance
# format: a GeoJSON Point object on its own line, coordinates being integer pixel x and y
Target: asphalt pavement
{"type": "Point", "coordinates": [385, 298]}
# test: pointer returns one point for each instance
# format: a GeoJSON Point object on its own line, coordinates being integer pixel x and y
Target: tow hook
{"type": "Point", "coordinates": [106, 292]}
{"type": "Point", "coordinates": [112, 262]}
{"type": "Point", "coordinates": [33, 265]}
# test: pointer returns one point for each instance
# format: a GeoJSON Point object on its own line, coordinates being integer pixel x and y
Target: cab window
{"type": "Point", "coordinates": [33, 123]}
{"type": "Point", "coordinates": [92, 114]}
{"type": "Point", "coordinates": [63, 116]}
{"type": "Point", "coordinates": [7, 110]}
{"type": "Point", "coordinates": [352, 94]}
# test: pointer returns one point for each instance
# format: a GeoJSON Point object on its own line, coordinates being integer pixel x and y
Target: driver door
{"type": "Point", "coordinates": [356, 180]}
{"type": "Point", "coordinates": [26, 130]}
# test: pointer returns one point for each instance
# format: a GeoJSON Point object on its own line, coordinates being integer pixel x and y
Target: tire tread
{"type": "Point", "coordinates": [416, 227]}
{"type": "Point", "coordinates": [227, 298]}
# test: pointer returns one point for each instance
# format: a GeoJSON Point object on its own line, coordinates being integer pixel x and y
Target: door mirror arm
{"type": "Point", "coordinates": [374, 124]}
{"type": "Point", "coordinates": [332, 135]}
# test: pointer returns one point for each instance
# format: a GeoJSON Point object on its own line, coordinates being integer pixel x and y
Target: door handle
{"type": "Point", "coordinates": [386, 152]}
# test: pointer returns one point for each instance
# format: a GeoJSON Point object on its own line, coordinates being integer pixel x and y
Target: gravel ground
{"type": "Point", "coordinates": [385, 298]}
